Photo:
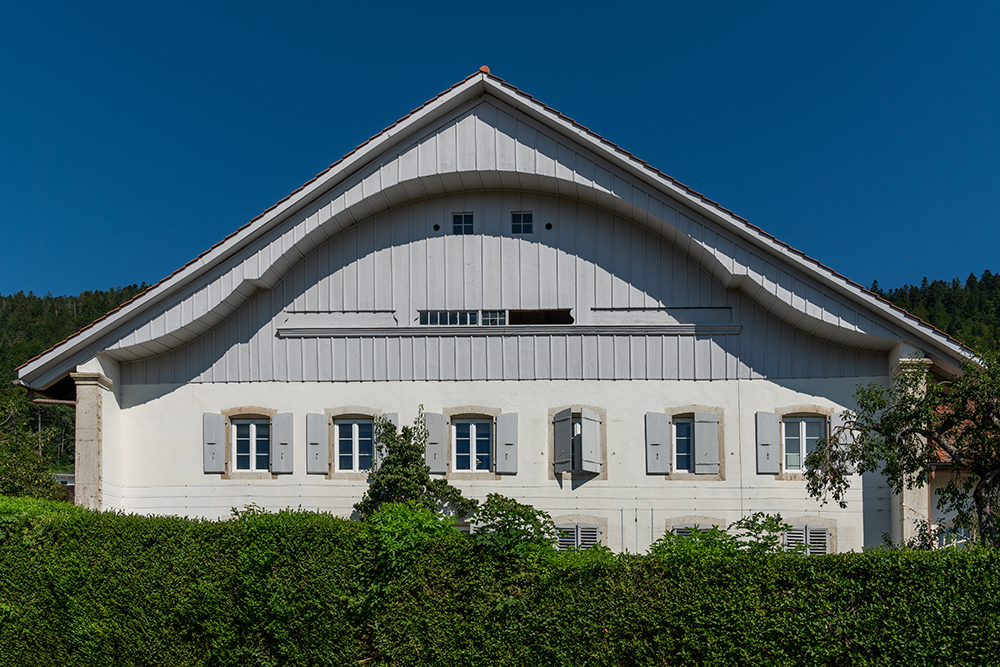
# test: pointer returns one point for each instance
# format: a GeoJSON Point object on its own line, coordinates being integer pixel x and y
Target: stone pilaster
{"type": "Point", "coordinates": [90, 388]}
{"type": "Point", "coordinates": [911, 506]}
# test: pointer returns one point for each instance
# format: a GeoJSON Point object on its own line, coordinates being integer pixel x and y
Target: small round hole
{"type": "Point", "coordinates": [548, 225]}
{"type": "Point", "coordinates": [437, 228]}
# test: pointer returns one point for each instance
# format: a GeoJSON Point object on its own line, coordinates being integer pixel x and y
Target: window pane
{"type": "Point", "coordinates": [463, 318]}
{"type": "Point", "coordinates": [366, 445]}
{"type": "Point", "coordinates": [345, 446]}
{"type": "Point", "coordinates": [526, 223]}
{"type": "Point", "coordinates": [472, 317]}
{"type": "Point", "coordinates": [683, 445]}
{"type": "Point", "coordinates": [432, 318]}
{"type": "Point", "coordinates": [793, 451]}
{"type": "Point", "coordinates": [814, 431]}
{"type": "Point", "coordinates": [463, 446]}
{"type": "Point", "coordinates": [243, 444]}
{"type": "Point", "coordinates": [483, 445]}
{"type": "Point", "coordinates": [263, 438]}
{"type": "Point", "coordinates": [452, 318]}
{"type": "Point", "coordinates": [423, 318]}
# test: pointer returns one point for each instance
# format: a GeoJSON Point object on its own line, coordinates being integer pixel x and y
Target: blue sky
{"type": "Point", "coordinates": [133, 136]}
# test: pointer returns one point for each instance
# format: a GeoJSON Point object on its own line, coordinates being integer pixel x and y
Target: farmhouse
{"type": "Point", "coordinates": [585, 334]}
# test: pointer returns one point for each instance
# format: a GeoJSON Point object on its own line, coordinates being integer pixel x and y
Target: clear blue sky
{"type": "Point", "coordinates": [133, 136]}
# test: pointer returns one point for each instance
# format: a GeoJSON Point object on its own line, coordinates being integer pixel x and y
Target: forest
{"type": "Point", "coordinates": [30, 324]}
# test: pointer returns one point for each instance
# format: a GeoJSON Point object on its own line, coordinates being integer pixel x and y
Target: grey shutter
{"type": "Point", "coordinates": [818, 540]}
{"type": "Point", "coordinates": [567, 536]}
{"type": "Point", "coordinates": [563, 436]}
{"type": "Point", "coordinates": [590, 436]}
{"type": "Point", "coordinates": [684, 529]}
{"type": "Point", "coordinates": [837, 420]}
{"type": "Point", "coordinates": [768, 443]}
{"type": "Point", "coordinates": [506, 459]}
{"type": "Point", "coordinates": [317, 444]}
{"type": "Point", "coordinates": [213, 428]}
{"type": "Point", "coordinates": [588, 535]}
{"type": "Point", "coordinates": [435, 453]}
{"type": "Point", "coordinates": [795, 536]}
{"type": "Point", "coordinates": [282, 433]}
{"type": "Point", "coordinates": [380, 453]}
{"type": "Point", "coordinates": [657, 444]}
{"type": "Point", "coordinates": [706, 443]}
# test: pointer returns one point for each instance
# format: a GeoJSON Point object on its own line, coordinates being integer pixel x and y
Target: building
{"type": "Point", "coordinates": [586, 335]}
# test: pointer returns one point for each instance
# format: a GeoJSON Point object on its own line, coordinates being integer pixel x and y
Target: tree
{"type": "Point", "coordinates": [504, 525]}
{"type": "Point", "coordinates": [402, 476]}
{"type": "Point", "coordinates": [914, 425]}
{"type": "Point", "coordinates": [23, 471]}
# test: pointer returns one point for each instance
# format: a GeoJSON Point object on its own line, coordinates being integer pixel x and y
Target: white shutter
{"type": "Point", "coordinates": [590, 437]}
{"type": "Point", "coordinates": [506, 457]}
{"type": "Point", "coordinates": [818, 539]}
{"type": "Point", "coordinates": [567, 536]}
{"type": "Point", "coordinates": [282, 431]}
{"type": "Point", "coordinates": [768, 443]}
{"type": "Point", "coordinates": [588, 535]}
{"type": "Point", "coordinates": [706, 443]}
{"type": "Point", "coordinates": [795, 536]}
{"type": "Point", "coordinates": [317, 444]}
{"type": "Point", "coordinates": [563, 439]}
{"type": "Point", "coordinates": [213, 428]}
{"type": "Point", "coordinates": [657, 444]}
{"type": "Point", "coordinates": [435, 452]}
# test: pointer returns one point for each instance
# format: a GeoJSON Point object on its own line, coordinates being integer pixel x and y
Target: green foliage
{"type": "Point", "coordinates": [293, 588]}
{"type": "Point", "coordinates": [23, 471]}
{"type": "Point", "coordinates": [402, 476]}
{"type": "Point", "coordinates": [917, 423]}
{"type": "Point", "coordinates": [969, 312]}
{"type": "Point", "coordinates": [504, 525]}
{"type": "Point", "coordinates": [753, 535]}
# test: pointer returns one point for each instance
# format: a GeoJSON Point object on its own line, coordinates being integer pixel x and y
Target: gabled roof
{"type": "Point", "coordinates": [53, 364]}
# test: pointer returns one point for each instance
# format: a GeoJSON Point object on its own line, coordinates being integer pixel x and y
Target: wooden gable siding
{"type": "Point", "coordinates": [590, 259]}
{"type": "Point", "coordinates": [493, 147]}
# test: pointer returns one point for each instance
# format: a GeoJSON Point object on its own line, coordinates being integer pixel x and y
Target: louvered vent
{"type": "Point", "coordinates": [463, 528]}
{"type": "Point", "coordinates": [819, 540]}
{"type": "Point", "coordinates": [795, 537]}
{"type": "Point", "coordinates": [589, 535]}
{"type": "Point", "coordinates": [567, 536]}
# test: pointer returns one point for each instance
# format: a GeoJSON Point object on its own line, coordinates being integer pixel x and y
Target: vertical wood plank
{"type": "Point", "coordinates": [485, 137]}
{"type": "Point", "coordinates": [543, 357]}
{"type": "Point", "coordinates": [447, 357]}
{"type": "Point", "coordinates": [603, 287]}
{"type": "Point", "coordinates": [383, 262]}
{"type": "Point", "coordinates": [686, 357]}
{"type": "Point", "coordinates": [510, 360]}
{"type": "Point", "coordinates": [494, 358]}
{"type": "Point", "coordinates": [574, 358]}
{"type": "Point", "coordinates": [525, 357]}
{"type": "Point", "coordinates": [506, 139]}
{"type": "Point", "coordinates": [380, 355]}
{"type": "Point", "coordinates": [621, 269]}
{"type": "Point", "coordinates": [558, 357]}
{"type": "Point", "coordinates": [480, 369]}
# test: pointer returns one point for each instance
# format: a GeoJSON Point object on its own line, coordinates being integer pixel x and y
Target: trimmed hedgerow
{"type": "Point", "coordinates": [298, 588]}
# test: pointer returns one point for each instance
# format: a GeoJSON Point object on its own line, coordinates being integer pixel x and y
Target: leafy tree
{"type": "Point", "coordinates": [402, 476]}
{"type": "Point", "coordinates": [758, 533]}
{"type": "Point", "coordinates": [23, 471]}
{"type": "Point", "coordinates": [504, 525]}
{"type": "Point", "coordinates": [914, 425]}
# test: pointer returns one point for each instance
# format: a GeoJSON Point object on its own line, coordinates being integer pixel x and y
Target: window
{"type": "Point", "coordinates": [577, 444]}
{"type": "Point", "coordinates": [449, 317]}
{"type": "Point", "coordinates": [461, 223]}
{"type": "Point", "coordinates": [554, 316]}
{"type": "Point", "coordinates": [494, 317]}
{"type": "Point", "coordinates": [815, 538]}
{"type": "Point", "coordinates": [684, 445]}
{"type": "Point", "coordinates": [520, 222]}
{"type": "Point", "coordinates": [578, 535]}
{"type": "Point", "coordinates": [473, 440]}
{"type": "Point", "coordinates": [253, 444]}
{"type": "Point", "coordinates": [355, 444]}
{"type": "Point", "coordinates": [801, 436]}
{"type": "Point", "coordinates": [684, 529]}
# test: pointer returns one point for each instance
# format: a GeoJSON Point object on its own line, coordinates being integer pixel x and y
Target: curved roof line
{"type": "Point", "coordinates": [484, 73]}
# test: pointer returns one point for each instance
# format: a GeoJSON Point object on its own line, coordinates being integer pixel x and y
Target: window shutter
{"type": "Point", "coordinates": [435, 452]}
{"type": "Point", "coordinates": [768, 443]}
{"type": "Point", "coordinates": [281, 443]}
{"type": "Point", "coordinates": [706, 443]}
{"type": "Point", "coordinates": [213, 428]}
{"type": "Point", "coordinates": [837, 420]}
{"type": "Point", "coordinates": [588, 535]}
{"type": "Point", "coordinates": [657, 444]}
{"type": "Point", "coordinates": [684, 529]}
{"type": "Point", "coordinates": [818, 539]}
{"type": "Point", "coordinates": [317, 444]}
{"type": "Point", "coordinates": [567, 536]}
{"type": "Point", "coordinates": [590, 436]}
{"type": "Point", "coordinates": [795, 536]}
{"type": "Point", "coordinates": [506, 458]}
{"type": "Point", "coordinates": [563, 437]}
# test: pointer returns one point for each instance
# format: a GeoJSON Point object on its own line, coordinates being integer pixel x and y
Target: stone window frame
{"type": "Point", "coordinates": [803, 411]}
{"type": "Point", "coordinates": [347, 412]}
{"type": "Point", "coordinates": [687, 412]}
{"type": "Point", "coordinates": [239, 413]}
{"type": "Point", "coordinates": [480, 412]}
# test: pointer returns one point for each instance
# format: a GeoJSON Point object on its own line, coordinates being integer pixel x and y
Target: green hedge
{"type": "Point", "coordinates": [297, 588]}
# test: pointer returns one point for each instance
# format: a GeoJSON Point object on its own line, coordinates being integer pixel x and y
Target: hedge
{"type": "Point", "coordinates": [299, 588]}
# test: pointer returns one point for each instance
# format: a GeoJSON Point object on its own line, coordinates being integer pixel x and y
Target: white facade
{"type": "Point", "coordinates": [681, 313]}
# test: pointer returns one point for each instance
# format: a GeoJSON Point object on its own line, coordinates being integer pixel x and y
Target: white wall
{"type": "Point", "coordinates": [162, 443]}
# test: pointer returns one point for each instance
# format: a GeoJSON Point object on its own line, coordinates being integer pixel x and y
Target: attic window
{"type": "Point", "coordinates": [449, 317]}
{"type": "Point", "coordinates": [520, 222]}
{"type": "Point", "coordinates": [461, 223]}
{"type": "Point", "coordinates": [561, 316]}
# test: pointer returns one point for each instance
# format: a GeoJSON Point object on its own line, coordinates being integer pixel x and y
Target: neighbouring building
{"type": "Point", "coordinates": [585, 333]}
